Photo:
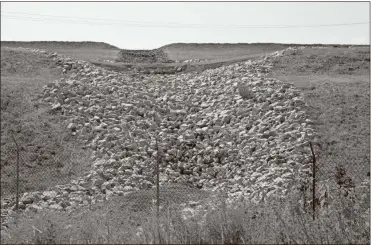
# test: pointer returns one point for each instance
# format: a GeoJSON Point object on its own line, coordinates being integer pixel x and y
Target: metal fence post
{"type": "Point", "coordinates": [158, 190]}
{"type": "Point", "coordinates": [158, 178]}
{"type": "Point", "coordinates": [314, 180]}
{"type": "Point", "coordinates": [17, 180]}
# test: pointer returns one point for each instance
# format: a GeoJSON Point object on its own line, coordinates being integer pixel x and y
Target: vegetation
{"type": "Point", "coordinates": [336, 86]}
{"type": "Point", "coordinates": [342, 221]}
{"type": "Point", "coordinates": [48, 155]}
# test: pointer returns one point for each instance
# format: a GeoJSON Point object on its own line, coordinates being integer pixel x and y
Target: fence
{"type": "Point", "coordinates": [339, 173]}
{"type": "Point", "coordinates": [329, 173]}
{"type": "Point", "coordinates": [27, 169]}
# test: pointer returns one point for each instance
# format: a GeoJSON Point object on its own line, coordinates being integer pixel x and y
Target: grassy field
{"type": "Point", "coordinates": [57, 44]}
{"type": "Point", "coordinates": [88, 54]}
{"type": "Point", "coordinates": [47, 154]}
{"type": "Point", "coordinates": [336, 85]}
{"type": "Point", "coordinates": [219, 52]}
{"type": "Point", "coordinates": [89, 51]}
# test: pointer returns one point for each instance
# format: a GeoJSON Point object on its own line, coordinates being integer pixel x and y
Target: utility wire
{"type": "Point", "coordinates": [93, 21]}
{"type": "Point", "coordinates": [143, 22]}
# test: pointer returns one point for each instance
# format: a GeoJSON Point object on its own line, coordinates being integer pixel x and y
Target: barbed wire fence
{"type": "Point", "coordinates": [329, 172]}
{"type": "Point", "coordinates": [333, 174]}
{"type": "Point", "coordinates": [23, 170]}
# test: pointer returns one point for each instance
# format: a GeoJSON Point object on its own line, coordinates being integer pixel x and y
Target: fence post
{"type": "Point", "coordinates": [314, 180]}
{"type": "Point", "coordinates": [158, 178]}
{"type": "Point", "coordinates": [158, 190]}
{"type": "Point", "coordinates": [17, 180]}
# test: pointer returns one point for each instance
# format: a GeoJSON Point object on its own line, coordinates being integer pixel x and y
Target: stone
{"type": "Point", "coordinates": [127, 188]}
{"type": "Point", "coordinates": [49, 195]}
{"type": "Point", "coordinates": [98, 182]}
{"type": "Point", "coordinates": [209, 135]}
{"type": "Point", "coordinates": [56, 106]}
{"type": "Point", "coordinates": [55, 206]}
{"type": "Point", "coordinates": [71, 126]}
{"type": "Point", "coordinates": [107, 185]}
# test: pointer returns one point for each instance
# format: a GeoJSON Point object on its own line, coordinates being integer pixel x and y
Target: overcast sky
{"type": "Point", "coordinates": [151, 25]}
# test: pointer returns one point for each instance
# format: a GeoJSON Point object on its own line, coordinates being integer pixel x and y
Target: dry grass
{"type": "Point", "coordinates": [339, 104]}
{"type": "Point", "coordinates": [336, 86]}
{"type": "Point", "coordinates": [218, 55]}
{"type": "Point", "coordinates": [88, 54]}
{"type": "Point", "coordinates": [275, 222]}
{"type": "Point", "coordinates": [89, 51]}
{"type": "Point", "coordinates": [325, 61]}
{"type": "Point", "coordinates": [217, 51]}
{"type": "Point", "coordinates": [245, 92]}
{"type": "Point", "coordinates": [47, 154]}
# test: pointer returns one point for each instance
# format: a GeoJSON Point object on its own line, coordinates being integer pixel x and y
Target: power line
{"type": "Point", "coordinates": [94, 21]}
{"type": "Point", "coordinates": [79, 20]}
{"type": "Point", "coordinates": [61, 21]}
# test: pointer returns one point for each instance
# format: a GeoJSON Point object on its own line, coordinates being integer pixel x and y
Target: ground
{"type": "Point", "coordinates": [336, 86]}
{"type": "Point", "coordinates": [46, 151]}
{"type": "Point", "coordinates": [335, 83]}
{"type": "Point", "coordinates": [90, 51]}
{"type": "Point", "coordinates": [219, 52]}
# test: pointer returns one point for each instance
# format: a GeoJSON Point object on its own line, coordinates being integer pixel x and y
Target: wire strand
{"type": "Point", "coordinates": [94, 21]}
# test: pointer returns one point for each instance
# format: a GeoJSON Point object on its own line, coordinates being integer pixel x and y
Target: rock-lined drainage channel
{"type": "Point", "coordinates": [212, 136]}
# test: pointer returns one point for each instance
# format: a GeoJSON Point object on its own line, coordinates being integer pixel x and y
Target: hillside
{"type": "Point", "coordinates": [89, 51]}
{"type": "Point", "coordinates": [233, 150]}
{"type": "Point", "coordinates": [178, 58]}
{"type": "Point", "coordinates": [58, 44]}
{"type": "Point", "coordinates": [336, 85]}
{"type": "Point", "coordinates": [46, 149]}
{"type": "Point", "coordinates": [142, 56]}
{"type": "Point", "coordinates": [118, 118]}
{"type": "Point", "coordinates": [218, 51]}
{"type": "Point", "coordinates": [186, 51]}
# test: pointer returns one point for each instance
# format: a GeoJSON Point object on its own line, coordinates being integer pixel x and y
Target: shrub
{"type": "Point", "coordinates": [245, 92]}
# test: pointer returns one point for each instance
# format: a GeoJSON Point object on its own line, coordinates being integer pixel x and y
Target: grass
{"type": "Point", "coordinates": [273, 222]}
{"type": "Point", "coordinates": [219, 52]}
{"type": "Point", "coordinates": [325, 61]}
{"type": "Point", "coordinates": [222, 51]}
{"type": "Point", "coordinates": [47, 154]}
{"type": "Point", "coordinates": [336, 87]}
{"type": "Point", "coordinates": [80, 50]}
{"type": "Point", "coordinates": [57, 44]}
{"type": "Point", "coordinates": [245, 92]}
{"type": "Point", "coordinates": [88, 54]}
{"type": "Point", "coordinates": [218, 55]}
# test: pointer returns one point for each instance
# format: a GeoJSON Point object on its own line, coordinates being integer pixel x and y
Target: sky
{"type": "Point", "coordinates": [135, 25]}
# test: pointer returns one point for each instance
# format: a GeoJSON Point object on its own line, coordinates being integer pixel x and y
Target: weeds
{"type": "Point", "coordinates": [275, 221]}
{"type": "Point", "coordinates": [245, 92]}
